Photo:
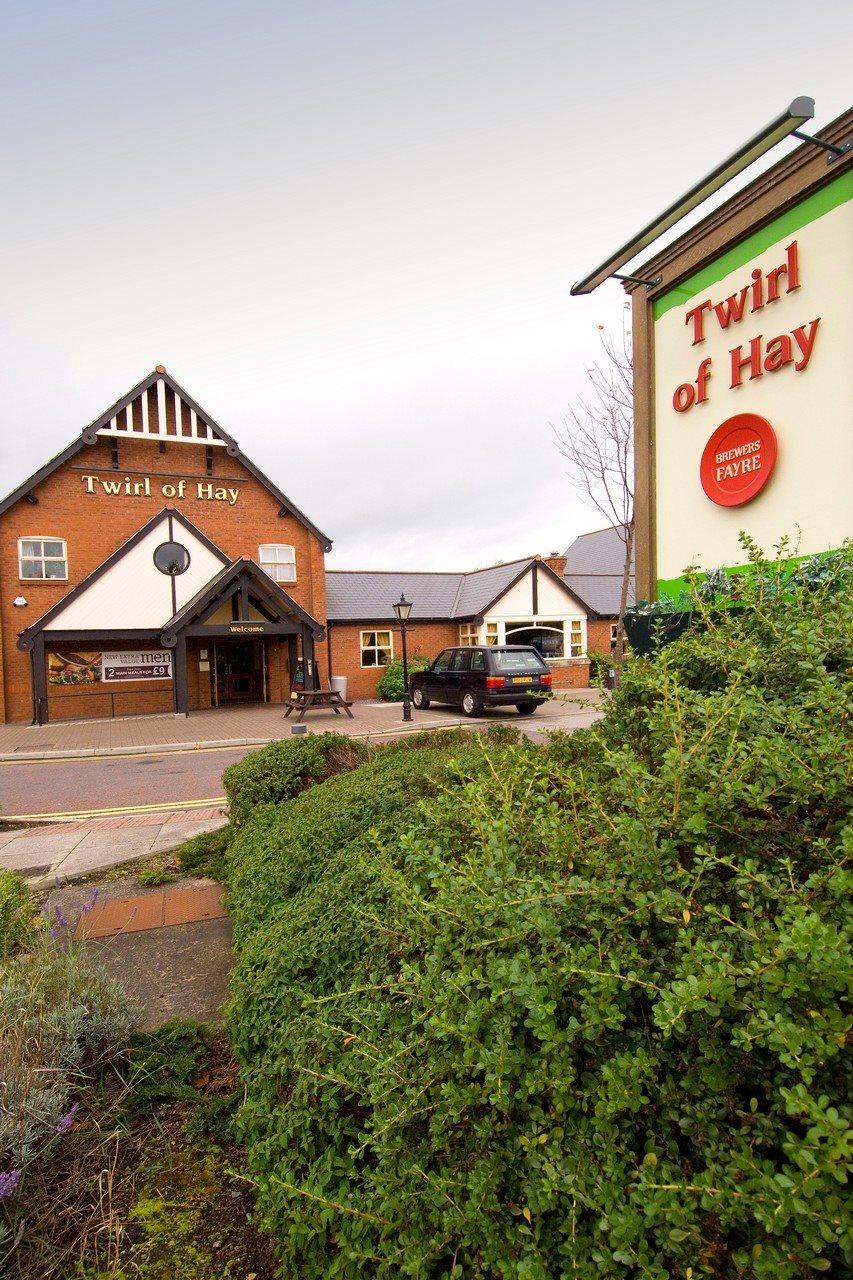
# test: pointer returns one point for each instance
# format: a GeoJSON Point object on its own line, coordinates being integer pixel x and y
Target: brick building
{"type": "Point", "coordinates": [521, 602]}
{"type": "Point", "coordinates": [152, 567]}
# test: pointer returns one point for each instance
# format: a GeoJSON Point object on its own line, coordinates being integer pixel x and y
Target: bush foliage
{"type": "Point", "coordinates": [389, 686]}
{"type": "Point", "coordinates": [284, 768]}
{"type": "Point", "coordinates": [17, 915]}
{"type": "Point", "coordinates": [573, 1011]}
{"type": "Point", "coordinates": [60, 1019]}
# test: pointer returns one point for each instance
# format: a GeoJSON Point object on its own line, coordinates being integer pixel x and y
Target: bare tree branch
{"type": "Point", "coordinates": [598, 443]}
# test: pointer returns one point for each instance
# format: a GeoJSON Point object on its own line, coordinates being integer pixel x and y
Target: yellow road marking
{"type": "Point", "coordinates": [116, 812]}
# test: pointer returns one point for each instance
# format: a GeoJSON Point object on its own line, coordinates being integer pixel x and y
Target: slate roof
{"type": "Point", "coordinates": [593, 571]}
{"type": "Point", "coordinates": [367, 596]}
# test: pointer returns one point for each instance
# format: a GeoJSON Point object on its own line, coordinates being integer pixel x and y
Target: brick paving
{"type": "Point", "coordinates": [161, 910]}
{"type": "Point", "coordinates": [244, 726]}
{"type": "Point", "coordinates": [71, 849]}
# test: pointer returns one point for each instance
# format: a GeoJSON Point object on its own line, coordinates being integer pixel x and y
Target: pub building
{"type": "Point", "coordinates": [151, 567]}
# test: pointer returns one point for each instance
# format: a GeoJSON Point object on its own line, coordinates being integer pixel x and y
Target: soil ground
{"type": "Point", "coordinates": [145, 1189]}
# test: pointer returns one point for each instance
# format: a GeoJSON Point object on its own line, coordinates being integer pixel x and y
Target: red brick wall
{"type": "Point", "coordinates": [94, 525]}
{"type": "Point", "coordinates": [598, 635]}
{"type": "Point", "coordinates": [573, 673]}
{"type": "Point", "coordinates": [424, 639]}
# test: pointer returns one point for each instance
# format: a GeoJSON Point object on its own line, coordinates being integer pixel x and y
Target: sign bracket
{"type": "Point", "coordinates": [835, 151]}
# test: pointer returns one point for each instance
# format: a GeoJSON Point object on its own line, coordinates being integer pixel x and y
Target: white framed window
{"type": "Point", "coordinates": [377, 648]}
{"type": "Point", "coordinates": [43, 558]}
{"type": "Point", "coordinates": [547, 638]}
{"type": "Point", "coordinates": [279, 561]}
{"type": "Point", "coordinates": [576, 645]}
{"type": "Point", "coordinates": [614, 635]}
{"type": "Point", "coordinates": [491, 633]}
{"type": "Point", "coordinates": [469, 633]}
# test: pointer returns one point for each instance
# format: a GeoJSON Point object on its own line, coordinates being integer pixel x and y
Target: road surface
{"type": "Point", "coordinates": [113, 782]}
{"type": "Point", "coordinates": [92, 783]}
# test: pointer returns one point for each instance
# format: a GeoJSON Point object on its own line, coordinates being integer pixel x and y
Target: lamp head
{"type": "Point", "coordinates": [403, 608]}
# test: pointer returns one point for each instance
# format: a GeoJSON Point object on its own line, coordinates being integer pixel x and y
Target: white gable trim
{"type": "Point", "coordinates": [555, 600]}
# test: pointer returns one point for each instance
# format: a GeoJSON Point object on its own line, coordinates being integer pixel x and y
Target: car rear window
{"type": "Point", "coordinates": [517, 660]}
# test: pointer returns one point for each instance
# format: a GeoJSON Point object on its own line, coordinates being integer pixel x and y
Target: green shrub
{"type": "Point", "coordinates": [204, 854]}
{"type": "Point", "coordinates": [166, 1062]}
{"type": "Point", "coordinates": [389, 686]}
{"type": "Point", "coordinates": [17, 915]}
{"type": "Point", "coordinates": [283, 768]}
{"type": "Point", "coordinates": [599, 667]}
{"type": "Point", "coordinates": [60, 1019]}
{"type": "Point", "coordinates": [571, 1011]}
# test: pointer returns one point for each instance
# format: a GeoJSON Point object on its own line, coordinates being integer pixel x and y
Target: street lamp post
{"type": "Point", "coordinates": [403, 608]}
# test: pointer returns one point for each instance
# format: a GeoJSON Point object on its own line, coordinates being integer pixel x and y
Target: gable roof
{"type": "Point", "coordinates": [594, 564]}
{"type": "Point", "coordinates": [368, 595]}
{"type": "Point", "coordinates": [263, 588]}
{"type": "Point", "coordinates": [118, 422]}
{"type": "Point", "coordinates": [166, 515]}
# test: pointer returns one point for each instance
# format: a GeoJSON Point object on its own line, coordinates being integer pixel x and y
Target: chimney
{"type": "Point", "coordinates": [556, 562]}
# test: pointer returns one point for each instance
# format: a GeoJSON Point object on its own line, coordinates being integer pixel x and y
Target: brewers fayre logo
{"type": "Point", "coordinates": [738, 459]}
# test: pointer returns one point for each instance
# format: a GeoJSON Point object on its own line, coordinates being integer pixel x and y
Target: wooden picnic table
{"type": "Point", "coordinates": [303, 700]}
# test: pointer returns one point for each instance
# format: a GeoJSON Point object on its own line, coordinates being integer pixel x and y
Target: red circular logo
{"type": "Point", "coordinates": [738, 460]}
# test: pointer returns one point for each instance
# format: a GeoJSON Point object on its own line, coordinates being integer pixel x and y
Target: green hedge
{"type": "Point", "coordinates": [573, 1011]}
{"type": "Point", "coordinates": [390, 684]}
{"type": "Point", "coordinates": [284, 768]}
{"type": "Point", "coordinates": [17, 914]}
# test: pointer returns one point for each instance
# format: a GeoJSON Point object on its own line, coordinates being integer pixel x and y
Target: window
{"type": "Point", "coordinates": [576, 640]}
{"type": "Point", "coordinates": [547, 638]}
{"type": "Point", "coordinates": [468, 633]}
{"type": "Point", "coordinates": [442, 662]}
{"type": "Point", "coordinates": [376, 648]}
{"type": "Point", "coordinates": [461, 660]}
{"type": "Point", "coordinates": [491, 633]}
{"type": "Point", "coordinates": [478, 660]}
{"type": "Point", "coordinates": [278, 561]}
{"type": "Point", "coordinates": [614, 635]}
{"type": "Point", "coordinates": [42, 558]}
{"type": "Point", "coordinates": [518, 660]}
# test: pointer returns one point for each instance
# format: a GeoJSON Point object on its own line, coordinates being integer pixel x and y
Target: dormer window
{"type": "Point", "coordinates": [42, 558]}
{"type": "Point", "coordinates": [278, 561]}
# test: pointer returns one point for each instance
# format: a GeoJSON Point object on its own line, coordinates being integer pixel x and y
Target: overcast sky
{"type": "Point", "coordinates": [349, 229]}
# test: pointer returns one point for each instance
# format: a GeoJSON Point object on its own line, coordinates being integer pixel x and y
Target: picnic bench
{"type": "Point", "coordinates": [303, 700]}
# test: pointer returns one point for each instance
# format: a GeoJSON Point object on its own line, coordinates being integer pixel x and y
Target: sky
{"type": "Point", "coordinates": [350, 230]}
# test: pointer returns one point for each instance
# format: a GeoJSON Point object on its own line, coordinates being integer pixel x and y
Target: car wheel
{"type": "Point", "coordinates": [526, 708]}
{"type": "Point", "coordinates": [420, 701]}
{"type": "Point", "coordinates": [470, 704]}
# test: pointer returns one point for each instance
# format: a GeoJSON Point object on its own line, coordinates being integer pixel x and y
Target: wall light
{"type": "Point", "coordinates": [20, 602]}
{"type": "Point", "coordinates": [800, 110]}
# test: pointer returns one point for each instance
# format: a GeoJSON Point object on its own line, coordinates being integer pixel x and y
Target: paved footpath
{"type": "Point", "coordinates": [70, 849]}
{"type": "Point", "coordinates": [252, 726]}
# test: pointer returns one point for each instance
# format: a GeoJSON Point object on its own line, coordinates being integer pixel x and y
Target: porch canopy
{"type": "Point", "coordinates": [258, 607]}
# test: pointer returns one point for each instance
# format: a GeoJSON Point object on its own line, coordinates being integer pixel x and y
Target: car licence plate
{"type": "Point", "coordinates": [522, 679]}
